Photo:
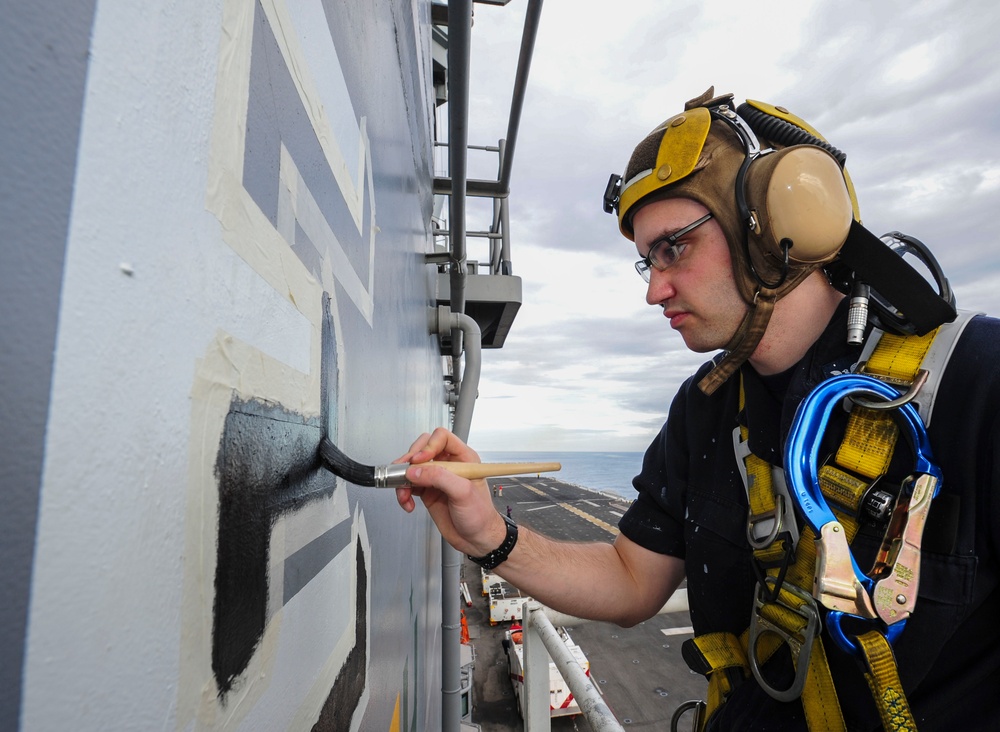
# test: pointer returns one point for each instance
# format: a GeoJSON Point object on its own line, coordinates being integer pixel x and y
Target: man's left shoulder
{"type": "Point", "coordinates": [978, 336]}
{"type": "Point", "coordinates": [970, 360]}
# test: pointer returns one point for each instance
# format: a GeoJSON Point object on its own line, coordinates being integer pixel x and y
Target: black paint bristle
{"type": "Point", "coordinates": [339, 464]}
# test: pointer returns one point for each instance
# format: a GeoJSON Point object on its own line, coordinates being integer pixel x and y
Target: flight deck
{"type": "Point", "coordinates": [638, 670]}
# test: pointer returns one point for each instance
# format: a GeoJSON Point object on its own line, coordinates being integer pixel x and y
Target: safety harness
{"type": "Point", "coordinates": [800, 574]}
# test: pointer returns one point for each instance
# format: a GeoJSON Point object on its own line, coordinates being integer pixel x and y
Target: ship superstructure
{"type": "Point", "coordinates": [228, 235]}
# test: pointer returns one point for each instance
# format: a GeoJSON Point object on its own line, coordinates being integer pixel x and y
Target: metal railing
{"type": "Point", "coordinates": [498, 232]}
{"type": "Point", "coordinates": [542, 642]}
{"type": "Point", "coordinates": [501, 186]}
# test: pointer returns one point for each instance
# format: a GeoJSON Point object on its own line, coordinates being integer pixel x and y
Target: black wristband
{"type": "Point", "coordinates": [499, 555]}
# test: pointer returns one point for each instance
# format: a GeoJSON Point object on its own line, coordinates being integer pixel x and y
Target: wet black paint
{"type": "Point", "coordinates": [344, 697]}
{"type": "Point", "coordinates": [267, 465]}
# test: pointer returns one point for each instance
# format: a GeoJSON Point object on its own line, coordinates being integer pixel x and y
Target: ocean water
{"type": "Point", "coordinates": [607, 472]}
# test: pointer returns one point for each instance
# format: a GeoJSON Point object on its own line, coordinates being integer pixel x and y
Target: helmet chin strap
{"type": "Point", "coordinates": [744, 341]}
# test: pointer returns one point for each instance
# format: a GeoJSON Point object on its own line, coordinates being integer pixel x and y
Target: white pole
{"type": "Point", "coordinates": [536, 676]}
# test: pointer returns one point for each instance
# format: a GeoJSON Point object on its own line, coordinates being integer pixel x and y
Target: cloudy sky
{"type": "Point", "coordinates": [909, 90]}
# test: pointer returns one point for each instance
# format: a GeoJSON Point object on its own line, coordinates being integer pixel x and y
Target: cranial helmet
{"type": "Point", "coordinates": [774, 185]}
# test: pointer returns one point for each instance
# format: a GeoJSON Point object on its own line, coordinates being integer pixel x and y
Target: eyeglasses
{"type": "Point", "coordinates": [665, 253]}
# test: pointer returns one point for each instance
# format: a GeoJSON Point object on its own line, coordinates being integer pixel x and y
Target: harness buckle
{"type": "Point", "coordinates": [912, 390]}
{"type": "Point", "coordinates": [799, 642]}
{"type": "Point", "coordinates": [760, 568]}
{"type": "Point", "coordinates": [763, 527]}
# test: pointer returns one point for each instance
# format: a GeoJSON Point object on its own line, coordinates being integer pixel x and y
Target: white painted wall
{"type": "Point", "coordinates": [178, 294]}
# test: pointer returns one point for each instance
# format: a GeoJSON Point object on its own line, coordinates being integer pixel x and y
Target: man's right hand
{"type": "Point", "coordinates": [461, 509]}
{"type": "Point", "coordinates": [621, 582]}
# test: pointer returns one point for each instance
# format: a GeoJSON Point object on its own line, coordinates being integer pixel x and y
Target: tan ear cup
{"type": "Point", "coordinates": [799, 194]}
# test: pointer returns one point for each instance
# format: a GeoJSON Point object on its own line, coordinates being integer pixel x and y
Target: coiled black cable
{"type": "Point", "coordinates": [784, 132]}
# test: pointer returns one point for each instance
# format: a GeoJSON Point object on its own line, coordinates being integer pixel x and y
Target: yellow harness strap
{"type": "Point", "coordinates": [819, 695]}
{"type": "Point", "coordinates": [725, 651]}
{"type": "Point", "coordinates": [883, 680]}
{"type": "Point", "coordinates": [862, 458]}
{"type": "Point", "coordinates": [721, 652]}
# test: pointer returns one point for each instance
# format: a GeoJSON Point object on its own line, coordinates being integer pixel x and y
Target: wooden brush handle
{"type": "Point", "coordinates": [473, 471]}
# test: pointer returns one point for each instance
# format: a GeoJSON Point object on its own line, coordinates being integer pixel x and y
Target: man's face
{"type": "Point", "coordinates": [697, 293]}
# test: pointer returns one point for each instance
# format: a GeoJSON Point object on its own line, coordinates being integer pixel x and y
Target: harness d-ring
{"type": "Point", "coordinates": [839, 584]}
{"type": "Point", "coordinates": [799, 642]}
{"type": "Point", "coordinates": [697, 721]}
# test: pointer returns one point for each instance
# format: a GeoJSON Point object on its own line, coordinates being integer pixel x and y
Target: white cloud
{"type": "Point", "coordinates": [910, 91]}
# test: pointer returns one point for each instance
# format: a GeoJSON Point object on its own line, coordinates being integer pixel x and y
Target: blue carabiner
{"type": "Point", "coordinates": [802, 449]}
{"type": "Point", "coordinates": [801, 460]}
{"type": "Point", "coordinates": [833, 620]}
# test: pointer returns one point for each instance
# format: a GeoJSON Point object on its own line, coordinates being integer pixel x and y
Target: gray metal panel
{"type": "Point", "coordinates": [493, 300]}
{"type": "Point", "coordinates": [43, 65]}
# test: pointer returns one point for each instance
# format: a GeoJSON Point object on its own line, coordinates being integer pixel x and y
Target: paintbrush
{"type": "Point", "coordinates": [390, 476]}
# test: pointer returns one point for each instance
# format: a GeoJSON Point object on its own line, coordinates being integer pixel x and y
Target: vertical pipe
{"type": "Point", "coordinates": [459, 55]}
{"type": "Point", "coordinates": [535, 670]}
{"type": "Point", "coordinates": [470, 375]}
{"type": "Point", "coordinates": [451, 560]}
{"type": "Point", "coordinates": [495, 244]}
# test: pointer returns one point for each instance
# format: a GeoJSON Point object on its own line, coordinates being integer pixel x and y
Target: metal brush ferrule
{"type": "Point", "coordinates": [390, 476]}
